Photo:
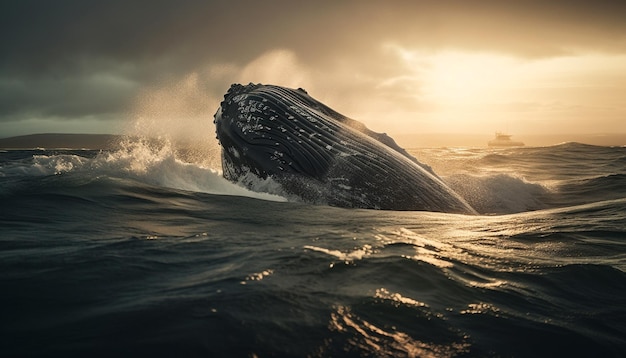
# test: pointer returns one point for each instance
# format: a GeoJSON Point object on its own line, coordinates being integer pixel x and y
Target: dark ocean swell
{"type": "Point", "coordinates": [103, 254]}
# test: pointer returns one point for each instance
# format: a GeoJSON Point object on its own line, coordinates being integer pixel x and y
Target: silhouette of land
{"type": "Point", "coordinates": [110, 141]}
{"type": "Point", "coordinates": [58, 140]}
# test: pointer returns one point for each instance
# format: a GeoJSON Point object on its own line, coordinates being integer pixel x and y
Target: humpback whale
{"type": "Point", "coordinates": [320, 155]}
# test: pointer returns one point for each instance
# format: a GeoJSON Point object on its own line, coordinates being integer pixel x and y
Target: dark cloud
{"type": "Point", "coordinates": [67, 97]}
{"type": "Point", "coordinates": [83, 57]}
{"type": "Point", "coordinates": [42, 34]}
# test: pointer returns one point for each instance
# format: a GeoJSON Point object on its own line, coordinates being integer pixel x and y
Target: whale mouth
{"type": "Point", "coordinates": [320, 155]}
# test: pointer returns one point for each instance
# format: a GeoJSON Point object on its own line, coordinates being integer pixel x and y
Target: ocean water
{"type": "Point", "coordinates": [139, 253]}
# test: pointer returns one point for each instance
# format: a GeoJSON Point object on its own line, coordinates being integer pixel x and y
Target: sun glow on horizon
{"type": "Point", "coordinates": [474, 92]}
{"type": "Point", "coordinates": [456, 77]}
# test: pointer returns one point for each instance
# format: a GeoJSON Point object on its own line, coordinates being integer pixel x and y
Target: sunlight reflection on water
{"type": "Point", "coordinates": [387, 341]}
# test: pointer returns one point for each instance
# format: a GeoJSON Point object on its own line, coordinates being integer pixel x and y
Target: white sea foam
{"type": "Point", "coordinates": [161, 166]}
{"type": "Point", "coordinates": [357, 254]}
{"type": "Point", "coordinates": [144, 161]}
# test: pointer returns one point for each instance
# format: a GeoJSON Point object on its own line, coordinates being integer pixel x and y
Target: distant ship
{"type": "Point", "coordinates": [504, 140]}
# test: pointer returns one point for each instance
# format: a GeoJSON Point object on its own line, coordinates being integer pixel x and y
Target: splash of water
{"type": "Point", "coordinates": [156, 161]}
{"type": "Point", "coordinates": [175, 117]}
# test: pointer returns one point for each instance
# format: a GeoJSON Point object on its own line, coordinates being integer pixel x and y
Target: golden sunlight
{"type": "Point", "coordinates": [460, 78]}
{"type": "Point", "coordinates": [480, 92]}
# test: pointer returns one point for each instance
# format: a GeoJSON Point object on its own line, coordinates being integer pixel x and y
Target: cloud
{"type": "Point", "coordinates": [97, 93]}
{"type": "Point", "coordinates": [85, 58]}
{"type": "Point", "coordinates": [38, 35]}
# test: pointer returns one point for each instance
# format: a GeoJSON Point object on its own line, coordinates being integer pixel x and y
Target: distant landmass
{"type": "Point", "coordinates": [59, 140]}
{"type": "Point", "coordinates": [480, 140]}
{"type": "Point", "coordinates": [110, 141]}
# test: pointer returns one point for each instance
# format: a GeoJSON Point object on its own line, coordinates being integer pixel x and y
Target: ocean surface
{"type": "Point", "coordinates": [147, 252]}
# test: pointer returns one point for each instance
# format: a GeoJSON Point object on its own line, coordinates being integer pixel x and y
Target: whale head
{"type": "Point", "coordinates": [319, 155]}
{"type": "Point", "coordinates": [270, 130]}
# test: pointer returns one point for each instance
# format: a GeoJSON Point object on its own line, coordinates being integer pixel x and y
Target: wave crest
{"type": "Point", "coordinates": [499, 193]}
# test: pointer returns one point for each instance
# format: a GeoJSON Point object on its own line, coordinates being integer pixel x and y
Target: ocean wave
{"type": "Point", "coordinates": [494, 182]}
{"type": "Point", "coordinates": [499, 193]}
{"type": "Point", "coordinates": [139, 161]}
{"type": "Point", "coordinates": [128, 247]}
{"type": "Point", "coordinates": [595, 188]}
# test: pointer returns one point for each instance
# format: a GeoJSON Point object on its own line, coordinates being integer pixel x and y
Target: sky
{"type": "Point", "coordinates": [401, 67]}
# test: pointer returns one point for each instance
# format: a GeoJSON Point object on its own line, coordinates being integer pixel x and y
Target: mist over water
{"type": "Point", "coordinates": [175, 117]}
